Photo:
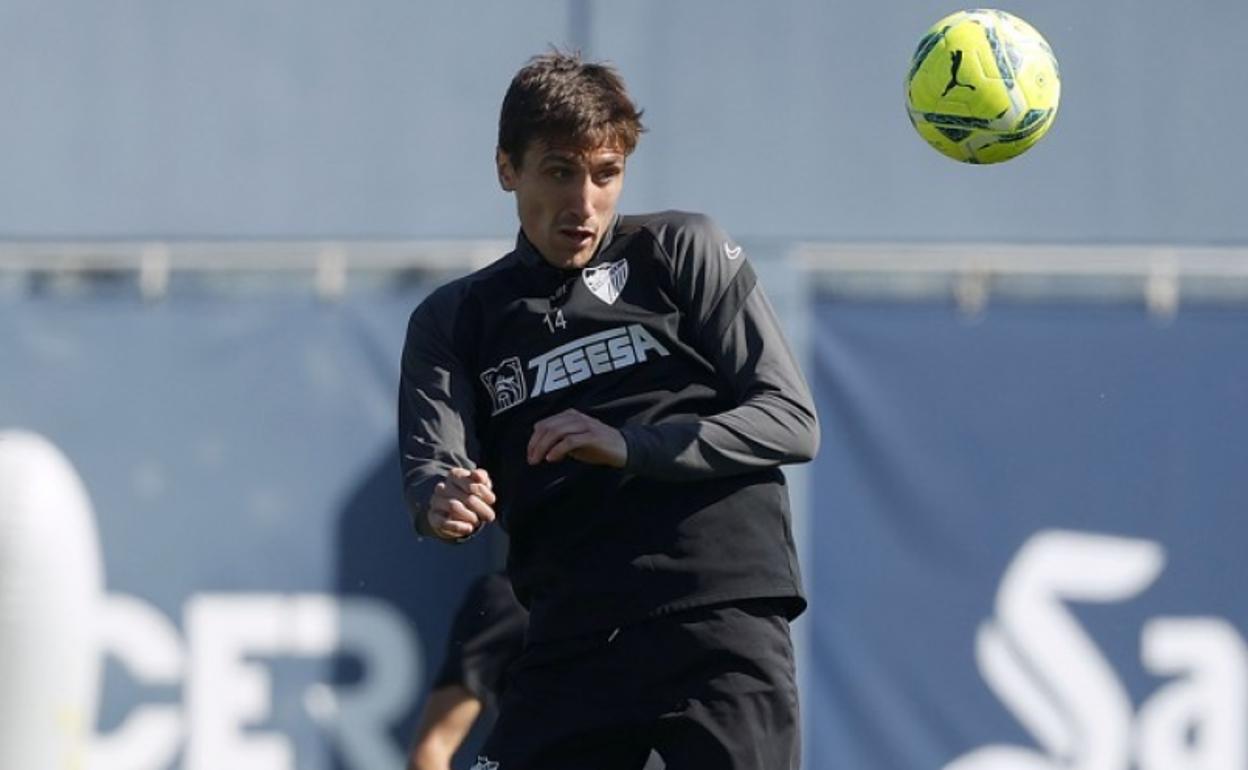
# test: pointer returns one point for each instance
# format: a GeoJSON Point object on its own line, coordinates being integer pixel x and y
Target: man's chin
{"type": "Point", "coordinates": [572, 259]}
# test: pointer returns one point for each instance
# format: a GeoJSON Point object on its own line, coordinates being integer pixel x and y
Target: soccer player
{"type": "Point", "coordinates": [616, 392]}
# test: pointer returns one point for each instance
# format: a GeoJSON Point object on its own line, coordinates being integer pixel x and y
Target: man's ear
{"type": "Point", "coordinates": [506, 170]}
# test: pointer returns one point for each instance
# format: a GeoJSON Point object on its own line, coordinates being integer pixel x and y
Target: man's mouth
{"type": "Point", "coordinates": [577, 233]}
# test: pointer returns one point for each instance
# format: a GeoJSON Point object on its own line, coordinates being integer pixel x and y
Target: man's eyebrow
{"type": "Point", "coordinates": [572, 158]}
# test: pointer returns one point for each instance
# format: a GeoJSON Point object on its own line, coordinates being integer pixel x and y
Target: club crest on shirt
{"type": "Point", "coordinates": [607, 281]}
{"type": "Point", "coordinates": [505, 384]}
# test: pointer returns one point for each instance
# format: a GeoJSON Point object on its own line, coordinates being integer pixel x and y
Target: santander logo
{"type": "Point", "coordinates": [1049, 673]}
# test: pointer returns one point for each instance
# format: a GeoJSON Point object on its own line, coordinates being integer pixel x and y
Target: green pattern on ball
{"type": "Point", "coordinates": [938, 119]}
{"type": "Point", "coordinates": [926, 45]}
{"type": "Point", "coordinates": [954, 134]}
{"type": "Point", "coordinates": [1025, 131]}
{"type": "Point", "coordinates": [1000, 57]}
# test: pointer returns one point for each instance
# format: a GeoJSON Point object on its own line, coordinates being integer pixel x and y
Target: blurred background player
{"type": "Point", "coordinates": [486, 635]}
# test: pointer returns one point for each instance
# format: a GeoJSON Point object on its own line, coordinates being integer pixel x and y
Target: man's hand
{"type": "Point", "coordinates": [579, 436]}
{"type": "Point", "coordinates": [462, 503]}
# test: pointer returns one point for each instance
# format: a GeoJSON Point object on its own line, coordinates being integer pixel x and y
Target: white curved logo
{"type": "Point", "coordinates": [1047, 670]}
{"type": "Point", "coordinates": [607, 281]}
{"type": "Point", "coordinates": [51, 585]}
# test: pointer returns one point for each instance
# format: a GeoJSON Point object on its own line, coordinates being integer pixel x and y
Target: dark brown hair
{"type": "Point", "coordinates": [567, 102]}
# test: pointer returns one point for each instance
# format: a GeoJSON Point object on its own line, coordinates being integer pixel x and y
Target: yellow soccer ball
{"type": "Point", "coordinates": [983, 86]}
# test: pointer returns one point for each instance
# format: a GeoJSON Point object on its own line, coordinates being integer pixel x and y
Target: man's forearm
{"type": "Point", "coordinates": [447, 718]}
{"type": "Point", "coordinates": [763, 433]}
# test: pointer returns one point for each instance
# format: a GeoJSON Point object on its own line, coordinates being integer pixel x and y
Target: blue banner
{"type": "Point", "coordinates": [263, 601]}
{"type": "Point", "coordinates": [1022, 536]}
{"type": "Point", "coordinates": [1028, 530]}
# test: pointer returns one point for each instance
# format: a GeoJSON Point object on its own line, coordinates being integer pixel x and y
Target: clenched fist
{"type": "Point", "coordinates": [462, 503]}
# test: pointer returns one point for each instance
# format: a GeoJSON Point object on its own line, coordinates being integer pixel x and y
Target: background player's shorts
{"type": "Point", "coordinates": [712, 687]}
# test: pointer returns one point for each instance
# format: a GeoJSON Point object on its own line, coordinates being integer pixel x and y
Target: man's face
{"type": "Point", "coordinates": [566, 198]}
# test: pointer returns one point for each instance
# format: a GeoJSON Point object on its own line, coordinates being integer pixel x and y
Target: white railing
{"type": "Point", "coordinates": [970, 273]}
{"type": "Point", "coordinates": [153, 262]}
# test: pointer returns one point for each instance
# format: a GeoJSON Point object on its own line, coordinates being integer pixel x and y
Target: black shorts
{"type": "Point", "coordinates": [712, 687]}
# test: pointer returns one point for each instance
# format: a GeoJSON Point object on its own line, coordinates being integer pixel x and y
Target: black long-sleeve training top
{"type": "Point", "coordinates": [666, 336]}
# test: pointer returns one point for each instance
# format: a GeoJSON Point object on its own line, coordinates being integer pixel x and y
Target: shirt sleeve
{"type": "Point", "coordinates": [736, 328]}
{"type": "Point", "coordinates": [436, 407]}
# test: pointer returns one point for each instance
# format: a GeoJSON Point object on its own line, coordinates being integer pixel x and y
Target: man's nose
{"type": "Point", "coordinates": [582, 196]}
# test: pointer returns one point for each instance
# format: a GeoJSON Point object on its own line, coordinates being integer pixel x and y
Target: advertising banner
{"type": "Point", "coordinates": [203, 532]}
{"type": "Point", "coordinates": [1022, 537]}
{"type": "Point", "coordinates": [1028, 531]}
